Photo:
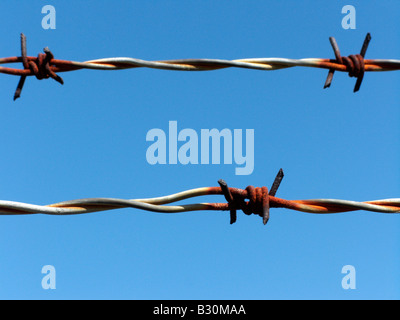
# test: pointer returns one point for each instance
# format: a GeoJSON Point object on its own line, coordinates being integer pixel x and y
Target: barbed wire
{"type": "Point", "coordinates": [251, 200]}
{"type": "Point", "coordinates": [46, 66]}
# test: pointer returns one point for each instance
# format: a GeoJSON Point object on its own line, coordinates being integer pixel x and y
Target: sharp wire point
{"type": "Point", "coordinates": [277, 182]}
{"type": "Point", "coordinates": [44, 68]}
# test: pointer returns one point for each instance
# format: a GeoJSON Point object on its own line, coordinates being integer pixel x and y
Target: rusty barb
{"type": "Point", "coordinates": [258, 199]}
{"type": "Point", "coordinates": [39, 67]}
{"type": "Point", "coordinates": [45, 66]}
{"type": "Point", "coordinates": [354, 63]}
{"type": "Point", "coordinates": [251, 200]}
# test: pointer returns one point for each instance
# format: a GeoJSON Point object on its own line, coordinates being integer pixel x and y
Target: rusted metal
{"type": "Point", "coordinates": [258, 201]}
{"type": "Point", "coordinates": [355, 64]}
{"type": "Point", "coordinates": [229, 198]}
{"type": "Point", "coordinates": [39, 67]}
{"type": "Point", "coordinates": [45, 66]}
{"type": "Point", "coordinates": [250, 200]}
{"type": "Point", "coordinates": [25, 63]}
{"type": "Point", "coordinates": [277, 183]}
{"type": "Point", "coordinates": [339, 60]}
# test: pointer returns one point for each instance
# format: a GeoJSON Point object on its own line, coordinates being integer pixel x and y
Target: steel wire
{"type": "Point", "coordinates": [158, 204]}
{"type": "Point", "coordinates": [46, 66]}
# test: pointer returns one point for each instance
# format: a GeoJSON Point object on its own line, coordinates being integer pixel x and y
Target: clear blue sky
{"type": "Point", "coordinates": [88, 139]}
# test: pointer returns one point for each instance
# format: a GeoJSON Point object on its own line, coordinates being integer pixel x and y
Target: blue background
{"type": "Point", "coordinates": [88, 139]}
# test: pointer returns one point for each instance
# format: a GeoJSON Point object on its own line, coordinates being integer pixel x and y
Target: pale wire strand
{"type": "Point", "coordinates": [45, 65]}
{"type": "Point", "coordinates": [119, 63]}
{"type": "Point", "coordinates": [157, 205]}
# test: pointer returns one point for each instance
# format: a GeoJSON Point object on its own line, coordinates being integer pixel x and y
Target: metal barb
{"type": "Point", "coordinates": [355, 64]}
{"type": "Point", "coordinates": [265, 205]}
{"type": "Point", "coordinates": [277, 183]}
{"type": "Point", "coordinates": [259, 203]}
{"type": "Point", "coordinates": [21, 83]}
{"type": "Point", "coordinates": [365, 44]}
{"type": "Point", "coordinates": [336, 50]}
{"type": "Point", "coordinates": [25, 63]}
{"type": "Point", "coordinates": [41, 69]}
{"type": "Point", "coordinates": [362, 54]}
{"type": "Point", "coordinates": [229, 199]}
{"type": "Point", "coordinates": [45, 66]}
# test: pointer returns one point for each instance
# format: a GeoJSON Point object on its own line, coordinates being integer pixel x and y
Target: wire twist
{"type": "Point", "coordinates": [259, 203]}
{"type": "Point", "coordinates": [46, 66]}
{"type": "Point", "coordinates": [39, 67]}
{"type": "Point", "coordinates": [355, 64]}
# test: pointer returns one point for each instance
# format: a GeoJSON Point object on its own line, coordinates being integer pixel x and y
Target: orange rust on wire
{"type": "Point", "coordinates": [355, 64]}
{"type": "Point", "coordinates": [259, 198]}
{"type": "Point", "coordinates": [44, 66]}
{"type": "Point", "coordinates": [274, 202]}
{"type": "Point", "coordinates": [259, 201]}
{"type": "Point", "coordinates": [39, 67]}
{"type": "Point", "coordinates": [251, 200]}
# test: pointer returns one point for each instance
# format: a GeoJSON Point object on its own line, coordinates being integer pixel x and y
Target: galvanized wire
{"type": "Point", "coordinates": [80, 206]}
{"type": "Point", "coordinates": [266, 64]}
{"type": "Point", "coordinates": [159, 204]}
{"type": "Point", "coordinates": [46, 66]}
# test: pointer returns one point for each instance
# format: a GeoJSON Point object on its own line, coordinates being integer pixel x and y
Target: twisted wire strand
{"type": "Point", "coordinates": [266, 64]}
{"type": "Point", "coordinates": [260, 200]}
{"type": "Point", "coordinates": [46, 66]}
{"type": "Point", "coordinates": [82, 206]}
{"type": "Point", "coordinates": [215, 64]}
